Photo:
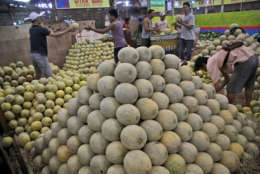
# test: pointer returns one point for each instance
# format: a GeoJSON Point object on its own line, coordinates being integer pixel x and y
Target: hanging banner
{"type": "Point", "coordinates": [67, 4]}
{"type": "Point", "coordinates": [158, 5]}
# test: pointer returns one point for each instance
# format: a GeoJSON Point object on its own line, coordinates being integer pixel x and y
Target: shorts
{"type": "Point", "coordinates": [41, 65]}
{"type": "Point", "coordinates": [243, 76]}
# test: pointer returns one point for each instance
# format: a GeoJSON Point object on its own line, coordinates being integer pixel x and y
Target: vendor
{"type": "Point", "coordinates": [38, 43]}
{"type": "Point", "coordinates": [147, 29]}
{"type": "Point", "coordinates": [187, 36]}
{"type": "Point", "coordinates": [116, 28]}
{"type": "Point", "coordinates": [240, 61]}
{"type": "Point", "coordinates": [162, 24]}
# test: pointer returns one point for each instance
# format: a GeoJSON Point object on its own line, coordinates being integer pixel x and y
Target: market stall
{"type": "Point", "coordinates": [168, 41]}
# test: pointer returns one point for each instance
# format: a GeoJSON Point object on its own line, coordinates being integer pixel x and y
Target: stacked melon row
{"type": "Point", "coordinates": [31, 108]}
{"type": "Point", "coordinates": [85, 56]}
{"type": "Point", "coordinates": [146, 115]}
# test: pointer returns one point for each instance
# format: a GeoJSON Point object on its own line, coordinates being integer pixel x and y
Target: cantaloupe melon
{"type": "Point", "coordinates": [133, 137]}
{"type": "Point", "coordinates": [128, 114]}
{"type": "Point", "coordinates": [98, 143]}
{"type": "Point", "coordinates": [148, 108]}
{"type": "Point", "coordinates": [180, 110]}
{"type": "Point", "coordinates": [137, 161]}
{"type": "Point", "coordinates": [184, 130]}
{"type": "Point", "coordinates": [95, 100]}
{"type": "Point", "coordinates": [211, 130]}
{"type": "Point", "coordinates": [125, 73]}
{"type": "Point", "coordinates": [95, 120]}
{"type": "Point", "coordinates": [92, 81]}
{"type": "Point", "coordinates": [215, 151]}
{"type": "Point", "coordinates": [144, 87]}
{"type": "Point", "coordinates": [171, 61]}
{"type": "Point", "coordinates": [252, 149]}
{"type": "Point", "coordinates": [172, 76]}
{"type": "Point", "coordinates": [193, 169]}
{"type": "Point", "coordinates": [144, 53]}
{"type": "Point", "coordinates": [63, 135]}
{"type": "Point", "coordinates": [200, 140]}
{"type": "Point", "coordinates": [214, 106]}
{"type": "Point", "coordinates": [210, 90]}
{"type": "Point", "coordinates": [144, 70]}
{"type": "Point", "coordinates": [191, 103]}
{"type": "Point", "coordinates": [63, 169]}
{"type": "Point", "coordinates": [197, 82]}
{"type": "Point", "coordinates": [153, 130]}
{"type": "Point", "coordinates": [54, 164]}
{"type": "Point", "coordinates": [205, 162]}
{"type": "Point", "coordinates": [73, 164]}
{"type": "Point", "coordinates": [161, 99]}
{"type": "Point", "coordinates": [167, 119]}
{"type": "Point", "coordinates": [195, 121]}
{"type": "Point", "coordinates": [223, 141]}
{"type": "Point", "coordinates": [74, 124]}
{"type": "Point", "coordinates": [188, 151]}
{"type": "Point", "coordinates": [106, 68]}
{"type": "Point", "coordinates": [242, 140]}
{"type": "Point", "coordinates": [158, 67]}
{"type": "Point", "coordinates": [85, 170]}
{"type": "Point", "coordinates": [128, 55]}
{"type": "Point", "coordinates": [63, 153]}
{"type": "Point", "coordinates": [237, 125]}
{"type": "Point", "coordinates": [84, 134]}
{"type": "Point", "coordinates": [157, 152]}
{"type": "Point", "coordinates": [46, 155]}
{"type": "Point", "coordinates": [111, 129]}
{"type": "Point", "coordinates": [84, 95]}
{"type": "Point", "coordinates": [85, 154]}
{"type": "Point", "coordinates": [72, 106]}
{"type": "Point", "coordinates": [186, 73]}
{"type": "Point", "coordinates": [108, 107]}
{"type": "Point", "coordinates": [83, 113]}
{"type": "Point", "coordinates": [157, 52]}
{"type": "Point", "coordinates": [158, 169]}
{"type": "Point", "coordinates": [204, 112]}
{"type": "Point", "coordinates": [219, 168]}
{"type": "Point", "coordinates": [115, 152]}
{"type": "Point", "coordinates": [201, 96]}
{"type": "Point", "coordinates": [126, 93]}
{"type": "Point", "coordinates": [73, 143]}
{"type": "Point", "coordinates": [237, 149]}
{"type": "Point", "coordinates": [119, 169]}
{"type": "Point", "coordinates": [171, 141]}
{"type": "Point", "coordinates": [175, 164]}
{"type": "Point", "coordinates": [231, 132]}
{"type": "Point", "coordinates": [158, 83]}
{"type": "Point", "coordinates": [187, 87]}
{"type": "Point", "coordinates": [230, 160]}
{"type": "Point", "coordinates": [249, 133]}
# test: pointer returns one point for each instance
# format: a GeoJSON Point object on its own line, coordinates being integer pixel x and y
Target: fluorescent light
{"type": "Point", "coordinates": [23, 0]}
{"type": "Point", "coordinates": [14, 23]}
{"type": "Point", "coordinates": [127, 3]}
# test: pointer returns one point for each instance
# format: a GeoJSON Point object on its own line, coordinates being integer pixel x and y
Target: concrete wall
{"type": "Point", "coordinates": [15, 45]}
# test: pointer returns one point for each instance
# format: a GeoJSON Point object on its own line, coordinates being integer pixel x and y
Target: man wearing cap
{"type": "Point", "coordinates": [162, 24]}
{"type": "Point", "coordinates": [38, 42]}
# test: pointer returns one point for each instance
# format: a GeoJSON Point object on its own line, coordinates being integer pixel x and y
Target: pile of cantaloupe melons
{"type": "Point", "coordinates": [146, 115]}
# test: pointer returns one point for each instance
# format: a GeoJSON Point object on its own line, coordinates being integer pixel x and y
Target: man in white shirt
{"type": "Point", "coordinates": [162, 24]}
{"type": "Point", "coordinates": [187, 36]}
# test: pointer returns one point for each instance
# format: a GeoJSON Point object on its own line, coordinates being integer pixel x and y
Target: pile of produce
{"type": "Point", "coordinates": [85, 56]}
{"type": "Point", "coordinates": [145, 116]}
{"type": "Point", "coordinates": [31, 107]}
{"type": "Point", "coordinates": [209, 35]}
{"type": "Point", "coordinates": [17, 73]}
{"type": "Point", "coordinates": [224, 39]}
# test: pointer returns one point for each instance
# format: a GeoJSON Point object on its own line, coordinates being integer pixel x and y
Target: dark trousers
{"type": "Point", "coordinates": [185, 45]}
{"type": "Point", "coordinates": [146, 42]}
{"type": "Point", "coordinates": [116, 50]}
